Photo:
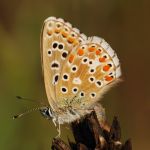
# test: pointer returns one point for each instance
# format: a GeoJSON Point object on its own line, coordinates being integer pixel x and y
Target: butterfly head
{"type": "Point", "coordinates": [47, 112]}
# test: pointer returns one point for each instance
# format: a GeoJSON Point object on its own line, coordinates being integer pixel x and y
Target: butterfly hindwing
{"type": "Point", "coordinates": [93, 69]}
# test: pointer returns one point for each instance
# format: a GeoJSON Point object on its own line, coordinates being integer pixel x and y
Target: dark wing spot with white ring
{"type": "Point", "coordinates": [75, 90]}
{"type": "Point", "coordinates": [85, 60]}
{"type": "Point", "coordinates": [64, 90]}
{"type": "Point", "coordinates": [82, 94]}
{"type": "Point", "coordinates": [49, 52]}
{"type": "Point", "coordinates": [93, 95]}
{"type": "Point", "coordinates": [54, 45]}
{"type": "Point", "coordinates": [60, 46]}
{"type": "Point", "coordinates": [98, 83]}
{"type": "Point", "coordinates": [55, 65]}
{"type": "Point", "coordinates": [65, 77]}
{"type": "Point", "coordinates": [91, 70]}
{"type": "Point", "coordinates": [55, 79]}
{"type": "Point", "coordinates": [91, 79]}
{"type": "Point", "coordinates": [74, 68]}
{"type": "Point", "coordinates": [64, 54]}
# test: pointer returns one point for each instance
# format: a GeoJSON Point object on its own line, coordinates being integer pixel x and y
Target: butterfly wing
{"type": "Point", "coordinates": [93, 70]}
{"type": "Point", "coordinates": [58, 39]}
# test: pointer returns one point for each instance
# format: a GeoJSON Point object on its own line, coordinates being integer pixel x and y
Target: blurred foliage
{"type": "Point", "coordinates": [124, 24]}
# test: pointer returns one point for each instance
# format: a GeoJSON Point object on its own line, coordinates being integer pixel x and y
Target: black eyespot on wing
{"type": "Point", "coordinates": [60, 46]}
{"type": "Point", "coordinates": [90, 62]}
{"type": "Point", "coordinates": [64, 90]}
{"type": "Point", "coordinates": [82, 94]}
{"type": "Point", "coordinates": [92, 70]}
{"type": "Point", "coordinates": [55, 65]}
{"type": "Point", "coordinates": [64, 54]}
{"type": "Point", "coordinates": [75, 89]}
{"type": "Point", "coordinates": [55, 45]}
{"type": "Point", "coordinates": [56, 78]}
{"type": "Point", "coordinates": [85, 60]}
{"type": "Point", "coordinates": [65, 76]}
{"type": "Point", "coordinates": [49, 52]}
{"type": "Point", "coordinates": [99, 83]}
{"type": "Point", "coordinates": [93, 94]}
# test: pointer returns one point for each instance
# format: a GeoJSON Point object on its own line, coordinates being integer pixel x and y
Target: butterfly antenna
{"type": "Point", "coordinates": [26, 112]}
{"type": "Point", "coordinates": [30, 100]}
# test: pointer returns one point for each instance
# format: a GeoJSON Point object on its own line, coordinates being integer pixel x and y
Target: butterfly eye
{"type": "Point", "coordinates": [93, 95]}
{"type": "Point", "coordinates": [75, 90]}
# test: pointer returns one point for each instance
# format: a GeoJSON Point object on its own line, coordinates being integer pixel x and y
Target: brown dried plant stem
{"type": "Point", "coordinates": [90, 136]}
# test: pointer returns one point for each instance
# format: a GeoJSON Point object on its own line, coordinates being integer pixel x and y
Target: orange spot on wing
{"type": "Point", "coordinates": [76, 42]}
{"type": "Point", "coordinates": [80, 52]}
{"type": "Point", "coordinates": [57, 30]}
{"type": "Point", "coordinates": [102, 59]}
{"type": "Point", "coordinates": [91, 49]}
{"type": "Point", "coordinates": [64, 34]}
{"type": "Point", "coordinates": [70, 40]}
{"type": "Point", "coordinates": [108, 78]}
{"type": "Point", "coordinates": [98, 52]}
{"type": "Point", "coordinates": [71, 58]}
{"type": "Point", "coordinates": [106, 68]}
{"type": "Point", "coordinates": [49, 32]}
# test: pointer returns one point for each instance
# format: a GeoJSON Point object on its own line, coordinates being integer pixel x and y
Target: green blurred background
{"type": "Point", "coordinates": [124, 24]}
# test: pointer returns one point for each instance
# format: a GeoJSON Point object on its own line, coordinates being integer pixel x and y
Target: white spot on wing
{"type": "Point", "coordinates": [95, 63]}
{"type": "Point", "coordinates": [77, 80]}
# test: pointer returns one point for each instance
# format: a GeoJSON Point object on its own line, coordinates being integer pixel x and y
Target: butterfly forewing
{"type": "Point", "coordinates": [58, 39]}
{"type": "Point", "coordinates": [77, 70]}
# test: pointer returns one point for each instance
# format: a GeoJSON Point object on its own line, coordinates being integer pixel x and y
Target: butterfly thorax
{"type": "Point", "coordinates": [65, 114]}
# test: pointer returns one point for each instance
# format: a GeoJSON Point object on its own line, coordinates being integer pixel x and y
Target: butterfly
{"type": "Point", "coordinates": [77, 70]}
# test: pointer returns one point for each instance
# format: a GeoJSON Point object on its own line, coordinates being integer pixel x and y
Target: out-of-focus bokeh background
{"type": "Point", "coordinates": [124, 24]}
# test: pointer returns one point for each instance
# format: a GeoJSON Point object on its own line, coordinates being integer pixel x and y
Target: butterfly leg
{"type": "Point", "coordinates": [54, 121]}
{"type": "Point", "coordinates": [59, 131]}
